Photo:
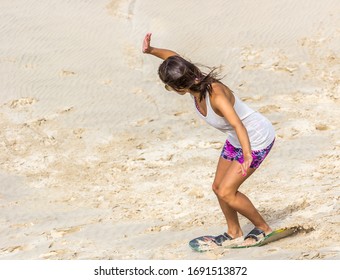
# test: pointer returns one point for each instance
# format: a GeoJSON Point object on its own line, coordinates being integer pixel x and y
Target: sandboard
{"type": "Point", "coordinates": [204, 243]}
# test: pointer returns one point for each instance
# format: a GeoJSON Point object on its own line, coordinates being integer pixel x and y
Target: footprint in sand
{"type": "Point", "coordinates": [321, 126]}
{"type": "Point", "coordinates": [61, 232]}
{"type": "Point", "coordinates": [269, 109]}
{"type": "Point", "coordinates": [65, 110]}
{"type": "Point", "coordinates": [290, 69]}
{"type": "Point", "coordinates": [66, 73]}
{"type": "Point", "coordinates": [12, 249]}
{"type": "Point", "coordinates": [177, 114]}
{"type": "Point", "coordinates": [251, 57]}
{"type": "Point", "coordinates": [21, 102]}
{"type": "Point", "coordinates": [56, 254]}
{"type": "Point", "coordinates": [254, 98]}
{"type": "Point", "coordinates": [143, 122]}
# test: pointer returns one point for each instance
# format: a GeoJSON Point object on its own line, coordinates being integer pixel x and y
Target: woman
{"type": "Point", "coordinates": [250, 137]}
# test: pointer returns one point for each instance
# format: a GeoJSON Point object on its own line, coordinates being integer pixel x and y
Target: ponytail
{"type": "Point", "coordinates": [203, 84]}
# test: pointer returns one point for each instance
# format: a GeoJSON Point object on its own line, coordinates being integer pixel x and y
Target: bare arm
{"type": "Point", "coordinates": [160, 53]}
{"type": "Point", "coordinates": [224, 106]}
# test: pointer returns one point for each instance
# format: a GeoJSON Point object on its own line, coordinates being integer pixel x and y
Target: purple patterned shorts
{"type": "Point", "coordinates": [229, 152]}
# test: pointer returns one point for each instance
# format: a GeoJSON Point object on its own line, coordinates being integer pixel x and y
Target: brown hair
{"type": "Point", "coordinates": [179, 74]}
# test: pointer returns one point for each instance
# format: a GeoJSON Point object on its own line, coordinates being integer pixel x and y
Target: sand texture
{"type": "Point", "coordinates": [98, 161]}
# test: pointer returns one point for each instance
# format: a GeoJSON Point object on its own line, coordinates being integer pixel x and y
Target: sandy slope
{"type": "Point", "coordinates": [99, 162]}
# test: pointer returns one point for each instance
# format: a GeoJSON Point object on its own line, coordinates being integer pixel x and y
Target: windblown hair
{"type": "Point", "coordinates": [179, 74]}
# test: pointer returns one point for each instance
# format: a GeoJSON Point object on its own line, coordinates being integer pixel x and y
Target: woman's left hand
{"type": "Point", "coordinates": [248, 159]}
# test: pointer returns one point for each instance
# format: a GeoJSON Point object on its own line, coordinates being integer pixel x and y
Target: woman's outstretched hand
{"type": "Point", "coordinates": [146, 43]}
{"type": "Point", "coordinates": [158, 52]}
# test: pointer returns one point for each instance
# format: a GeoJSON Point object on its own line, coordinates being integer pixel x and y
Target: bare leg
{"type": "Point", "coordinates": [234, 228]}
{"type": "Point", "coordinates": [226, 184]}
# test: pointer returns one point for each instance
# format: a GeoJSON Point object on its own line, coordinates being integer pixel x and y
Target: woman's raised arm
{"type": "Point", "coordinates": [160, 53]}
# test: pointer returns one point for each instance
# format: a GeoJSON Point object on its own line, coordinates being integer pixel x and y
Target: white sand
{"type": "Point", "coordinates": [98, 161]}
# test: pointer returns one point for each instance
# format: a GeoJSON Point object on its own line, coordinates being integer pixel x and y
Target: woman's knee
{"type": "Point", "coordinates": [215, 188]}
{"type": "Point", "coordinates": [227, 196]}
{"type": "Point", "coordinates": [225, 193]}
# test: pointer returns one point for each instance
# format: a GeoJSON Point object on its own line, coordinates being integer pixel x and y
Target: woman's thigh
{"type": "Point", "coordinates": [228, 177]}
{"type": "Point", "coordinates": [222, 167]}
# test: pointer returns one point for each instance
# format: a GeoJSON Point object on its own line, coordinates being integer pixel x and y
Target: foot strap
{"type": "Point", "coordinates": [255, 234]}
{"type": "Point", "coordinates": [221, 238]}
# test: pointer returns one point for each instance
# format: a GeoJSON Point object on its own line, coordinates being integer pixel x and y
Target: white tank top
{"type": "Point", "coordinates": [260, 131]}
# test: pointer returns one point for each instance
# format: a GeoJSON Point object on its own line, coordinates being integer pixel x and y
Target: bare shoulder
{"type": "Point", "coordinates": [222, 99]}
{"type": "Point", "coordinates": [221, 91]}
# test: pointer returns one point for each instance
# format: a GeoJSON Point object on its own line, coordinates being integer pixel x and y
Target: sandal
{"type": "Point", "coordinates": [255, 234]}
{"type": "Point", "coordinates": [218, 240]}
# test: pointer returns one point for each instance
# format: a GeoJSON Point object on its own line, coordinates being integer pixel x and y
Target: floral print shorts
{"type": "Point", "coordinates": [229, 152]}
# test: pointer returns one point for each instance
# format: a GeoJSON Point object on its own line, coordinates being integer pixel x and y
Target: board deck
{"type": "Point", "coordinates": [205, 243]}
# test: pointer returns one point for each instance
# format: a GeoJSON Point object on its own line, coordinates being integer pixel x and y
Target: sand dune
{"type": "Point", "coordinates": [97, 161]}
